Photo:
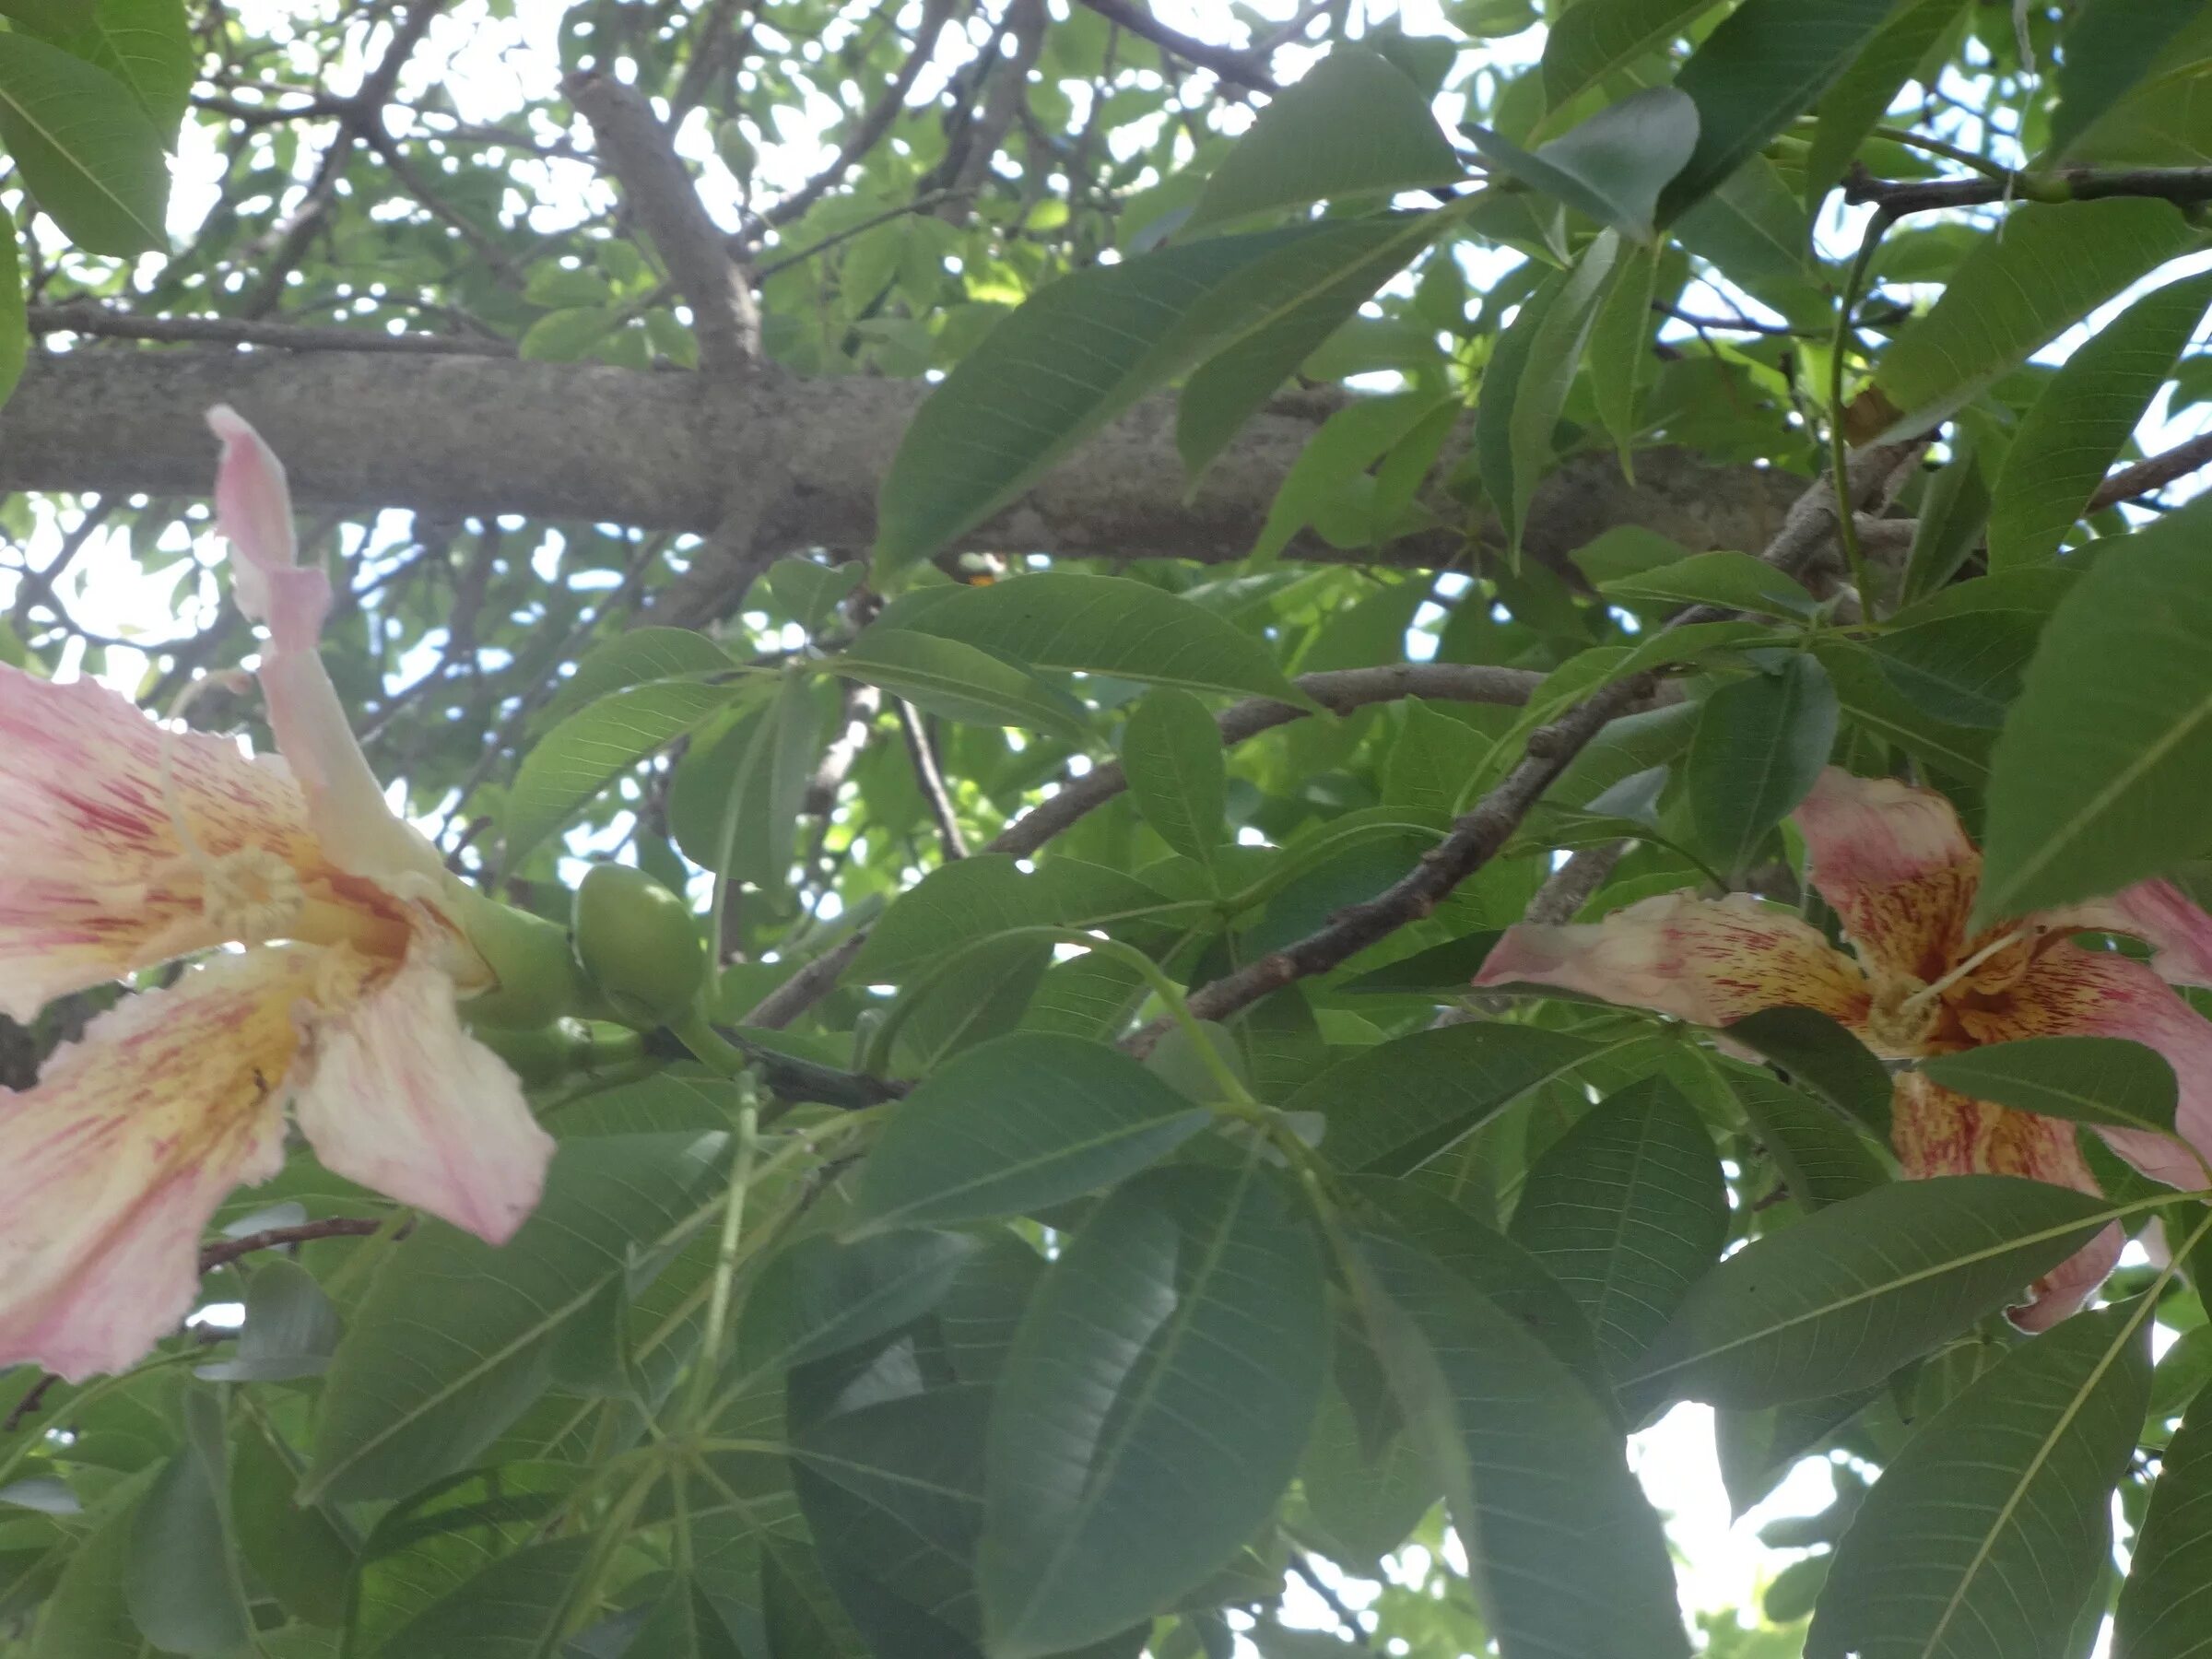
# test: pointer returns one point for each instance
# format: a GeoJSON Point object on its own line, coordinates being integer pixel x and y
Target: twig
{"type": "Point", "coordinates": [95, 321]}
{"type": "Point", "coordinates": [804, 988]}
{"type": "Point", "coordinates": [1339, 691]}
{"type": "Point", "coordinates": [1568, 887]}
{"type": "Point", "coordinates": [790, 1080]}
{"type": "Point", "coordinates": [1236, 67]}
{"type": "Point", "coordinates": [637, 149]}
{"type": "Point", "coordinates": [1301, 1565]}
{"type": "Point", "coordinates": [2184, 186]}
{"type": "Point", "coordinates": [32, 1399]}
{"type": "Point", "coordinates": [1729, 325]}
{"type": "Point", "coordinates": [874, 124]}
{"type": "Point", "coordinates": [2155, 472]}
{"type": "Point", "coordinates": [1479, 834]}
{"type": "Point", "coordinates": [930, 776]}
{"type": "Point", "coordinates": [223, 1252]}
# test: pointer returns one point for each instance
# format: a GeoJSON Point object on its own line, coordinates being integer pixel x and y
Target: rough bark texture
{"type": "Point", "coordinates": [461, 436]}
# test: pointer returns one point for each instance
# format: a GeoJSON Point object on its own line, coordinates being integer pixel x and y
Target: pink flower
{"type": "Point", "coordinates": [1898, 868]}
{"type": "Point", "coordinates": [124, 844]}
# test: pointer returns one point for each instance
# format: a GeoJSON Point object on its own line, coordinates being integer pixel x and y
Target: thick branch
{"type": "Point", "coordinates": [2152, 473]}
{"type": "Point", "coordinates": [636, 149]}
{"type": "Point", "coordinates": [1238, 68]}
{"type": "Point", "coordinates": [95, 321]}
{"type": "Point", "coordinates": [462, 437]}
{"type": "Point", "coordinates": [1340, 692]}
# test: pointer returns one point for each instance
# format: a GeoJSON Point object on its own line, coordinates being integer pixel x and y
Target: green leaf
{"type": "Point", "coordinates": [1855, 106]}
{"type": "Point", "coordinates": [568, 335]}
{"type": "Point", "coordinates": [2076, 427]}
{"type": "Point", "coordinates": [1737, 580]}
{"type": "Point", "coordinates": [1083, 349]}
{"type": "Point", "coordinates": [631, 658]}
{"type": "Point", "coordinates": [683, 1624]}
{"type": "Point", "coordinates": [1872, 703]}
{"type": "Point", "coordinates": [1353, 124]}
{"type": "Point", "coordinates": [1392, 1108]}
{"type": "Point", "coordinates": [85, 1617]}
{"type": "Point", "coordinates": [1856, 1289]}
{"type": "Point", "coordinates": [1954, 511]}
{"type": "Point", "coordinates": [1611, 167]}
{"type": "Point", "coordinates": [1759, 234]}
{"type": "Point", "coordinates": [515, 1609]}
{"type": "Point", "coordinates": [2109, 46]}
{"type": "Point", "coordinates": [180, 1581]}
{"type": "Point", "coordinates": [2055, 264]}
{"type": "Point", "coordinates": [2172, 1559]}
{"type": "Point", "coordinates": [1959, 654]}
{"type": "Point", "coordinates": [581, 756]}
{"type": "Point", "coordinates": [87, 149]}
{"type": "Point", "coordinates": [1530, 1460]}
{"type": "Point", "coordinates": [291, 1330]}
{"type": "Point", "coordinates": [1985, 1535]}
{"type": "Point", "coordinates": [1761, 742]}
{"type": "Point", "coordinates": [1821, 1159]}
{"type": "Point", "coordinates": [296, 1550]}
{"type": "Point", "coordinates": [1058, 619]}
{"type": "Point", "coordinates": [1821, 1055]}
{"type": "Point", "coordinates": [1627, 1210]}
{"type": "Point", "coordinates": [1171, 753]}
{"type": "Point", "coordinates": [15, 338]}
{"type": "Point", "coordinates": [146, 45]}
{"type": "Point", "coordinates": [453, 1340]}
{"type": "Point", "coordinates": [957, 680]}
{"type": "Point", "coordinates": [735, 801]}
{"type": "Point", "coordinates": [1767, 62]}
{"type": "Point", "coordinates": [1016, 1124]}
{"type": "Point", "coordinates": [2097, 780]}
{"type": "Point", "coordinates": [1594, 38]}
{"type": "Point", "coordinates": [1334, 459]}
{"type": "Point", "coordinates": [1440, 970]}
{"type": "Point", "coordinates": [1524, 386]}
{"type": "Point", "coordinates": [810, 593]}
{"type": "Point", "coordinates": [1620, 342]}
{"type": "Point", "coordinates": [988, 894]}
{"type": "Point", "coordinates": [819, 1297]}
{"type": "Point", "coordinates": [2106, 1080]}
{"type": "Point", "coordinates": [1168, 1371]}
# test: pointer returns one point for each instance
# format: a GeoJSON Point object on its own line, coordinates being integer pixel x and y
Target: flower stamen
{"type": "Point", "coordinates": [1929, 992]}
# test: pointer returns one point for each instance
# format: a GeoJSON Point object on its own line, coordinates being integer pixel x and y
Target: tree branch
{"type": "Point", "coordinates": [1340, 692]}
{"type": "Point", "coordinates": [1226, 62]}
{"type": "Point", "coordinates": [462, 437]}
{"type": "Point", "coordinates": [96, 321]}
{"type": "Point", "coordinates": [929, 778]}
{"type": "Point", "coordinates": [224, 1251]}
{"type": "Point", "coordinates": [2184, 186]}
{"type": "Point", "coordinates": [1481, 833]}
{"type": "Point", "coordinates": [2153, 473]}
{"type": "Point", "coordinates": [636, 149]}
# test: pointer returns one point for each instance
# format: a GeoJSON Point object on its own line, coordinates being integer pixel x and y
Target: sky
{"type": "Point", "coordinates": [488, 66]}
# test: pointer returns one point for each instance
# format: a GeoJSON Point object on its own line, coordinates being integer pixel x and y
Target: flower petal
{"type": "Point", "coordinates": [2069, 992]}
{"type": "Point", "coordinates": [1896, 865]}
{"type": "Point", "coordinates": [122, 1151]}
{"type": "Point", "coordinates": [1709, 961]}
{"type": "Point", "coordinates": [2160, 916]}
{"type": "Point", "coordinates": [345, 802]}
{"type": "Point", "coordinates": [1937, 1131]}
{"type": "Point", "coordinates": [401, 1099]}
{"type": "Point", "coordinates": [94, 879]}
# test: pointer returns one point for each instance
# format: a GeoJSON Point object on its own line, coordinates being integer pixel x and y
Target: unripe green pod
{"type": "Point", "coordinates": [537, 977]}
{"type": "Point", "coordinates": [638, 943]}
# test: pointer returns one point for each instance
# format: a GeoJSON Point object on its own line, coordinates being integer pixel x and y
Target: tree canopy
{"type": "Point", "coordinates": [1227, 778]}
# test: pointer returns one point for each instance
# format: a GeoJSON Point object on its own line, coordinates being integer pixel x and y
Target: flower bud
{"type": "Point", "coordinates": [639, 944]}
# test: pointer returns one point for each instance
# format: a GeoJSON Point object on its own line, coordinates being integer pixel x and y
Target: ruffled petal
{"type": "Point", "coordinates": [2160, 916]}
{"type": "Point", "coordinates": [1895, 864]}
{"type": "Point", "coordinates": [400, 1098]}
{"type": "Point", "coordinates": [1937, 1131]}
{"type": "Point", "coordinates": [345, 802]}
{"type": "Point", "coordinates": [1709, 961]}
{"type": "Point", "coordinates": [94, 879]}
{"type": "Point", "coordinates": [2069, 992]}
{"type": "Point", "coordinates": [122, 1150]}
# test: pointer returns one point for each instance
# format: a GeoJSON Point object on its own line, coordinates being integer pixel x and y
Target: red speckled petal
{"type": "Point", "coordinates": [1709, 961]}
{"type": "Point", "coordinates": [94, 882]}
{"type": "Point", "coordinates": [122, 1150]}
{"type": "Point", "coordinates": [2160, 916]}
{"type": "Point", "coordinates": [1896, 866]}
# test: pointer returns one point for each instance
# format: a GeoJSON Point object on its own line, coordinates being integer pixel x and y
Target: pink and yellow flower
{"type": "Point", "coordinates": [334, 945]}
{"type": "Point", "coordinates": [1896, 866]}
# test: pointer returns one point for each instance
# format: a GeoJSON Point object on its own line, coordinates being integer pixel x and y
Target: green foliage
{"type": "Point", "coordinates": [1034, 1175]}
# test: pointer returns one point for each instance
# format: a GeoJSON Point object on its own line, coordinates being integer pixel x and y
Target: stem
{"type": "Point", "coordinates": [1839, 450]}
{"type": "Point", "coordinates": [725, 1262]}
{"type": "Point", "coordinates": [1949, 152]}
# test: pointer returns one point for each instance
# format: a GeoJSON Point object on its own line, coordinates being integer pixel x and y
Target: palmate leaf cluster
{"type": "Point", "coordinates": [1092, 1211]}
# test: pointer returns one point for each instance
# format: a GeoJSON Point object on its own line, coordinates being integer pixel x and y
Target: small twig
{"type": "Point", "coordinates": [930, 776]}
{"type": "Point", "coordinates": [804, 988]}
{"type": "Point", "coordinates": [1304, 1568]}
{"type": "Point", "coordinates": [225, 1250]}
{"type": "Point", "coordinates": [637, 150]}
{"type": "Point", "coordinates": [32, 1399]}
{"type": "Point", "coordinates": [790, 1080]}
{"type": "Point", "coordinates": [1236, 67]}
{"type": "Point", "coordinates": [2184, 186]}
{"type": "Point", "coordinates": [1728, 324]}
{"type": "Point", "coordinates": [1568, 887]}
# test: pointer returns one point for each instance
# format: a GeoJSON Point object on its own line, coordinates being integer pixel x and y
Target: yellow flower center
{"type": "Point", "coordinates": [251, 895]}
{"type": "Point", "coordinates": [1901, 1014]}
